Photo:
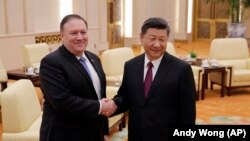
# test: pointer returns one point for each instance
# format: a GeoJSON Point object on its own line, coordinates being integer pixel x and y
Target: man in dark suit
{"type": "Point", "coordinates": [73, 83]}
{"type": "Point", "coordinates": [168, 98]}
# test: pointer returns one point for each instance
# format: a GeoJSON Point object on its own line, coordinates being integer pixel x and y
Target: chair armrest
{"type": "Point", "coordinates": [3, 73]}
{"type": "Point", "coordinates": [226, 64]}
{"type": "Point", "coordinates": [3, 76]}
{"type": "Point", "coordinates": [248, 63]}
{"type": "Point", "coordinates": [196, 70]}
{"type": "Point", "coordinates": [229, 66]}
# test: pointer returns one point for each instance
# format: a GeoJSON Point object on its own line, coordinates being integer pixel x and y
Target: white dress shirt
{"type": "Point", "coordinates": [156, 64]}
{"type": "Point", "coordinates": [94, 76]}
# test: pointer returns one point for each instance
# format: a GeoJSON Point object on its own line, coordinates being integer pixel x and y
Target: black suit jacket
{"type": "Point", "coordinates": [171, 99]}
{"type": "Point", "coordinates": [71, 104]}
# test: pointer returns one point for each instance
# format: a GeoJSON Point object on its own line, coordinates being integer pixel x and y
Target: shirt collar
{"type": "Point", "coordinates": [155, 62]}
{"type": "Point", "coordinates": [84, 56]}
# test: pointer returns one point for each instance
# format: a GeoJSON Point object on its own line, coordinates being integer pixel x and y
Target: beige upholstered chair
{"type": "Point", "coordinates": [118, 120]}
{"type": "Point", "coordinates": [21, 112]}
{"type": "Point", "coordinates": [197, 71]}
{"type": "Point", "coordinates": [170, 49]}
{"type": "Point", "coordinates": [33, 53]}
{"type": "Point", "coordinates": [232, 52]}
{"type": "Point", "coordinates": [3, 76]}
{"type": "Point", "coordinates": [113, 61]}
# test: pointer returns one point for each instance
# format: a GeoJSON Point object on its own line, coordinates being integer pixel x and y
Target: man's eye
{"type": "Point", "coordinates": [162, 40]}
{"type": "Point", "coordinates": [152, 39]}
{"type": "Point", "coordinates": [73, 33]}
{"type": "Point", "coordinates": [83, 32]}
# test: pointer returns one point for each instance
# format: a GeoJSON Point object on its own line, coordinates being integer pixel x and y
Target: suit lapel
{"type": "Point", "coordinates": [98, 69]}
{"type": "Point", "coordinates": [165, 65]}
{"type": "Point", "coordinates": [95, 65]}
{"type": "Point", "coordinates": [73, 60]}
{"type": "Point", "coordinates": [140, 80]}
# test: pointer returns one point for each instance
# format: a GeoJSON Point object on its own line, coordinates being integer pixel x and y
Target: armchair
{"type": "Point", "coordinates": [33, 53]}
{"type": "Point", "coordinates": [232, 53]}
{"type": "Point", "coordinates": [197, 71]}
{"type": "Point", "coordinates": [21, 112]}
{"type": "Point", "coordinates": [3, 77]}
{"type": "Point", "coordinates": [170, 49]}
{"type": "Point", "coordinates": [113, 61]}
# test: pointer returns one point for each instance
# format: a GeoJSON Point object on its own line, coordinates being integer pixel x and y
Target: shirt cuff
{"type": "Point", "coordinates": [100, 108]}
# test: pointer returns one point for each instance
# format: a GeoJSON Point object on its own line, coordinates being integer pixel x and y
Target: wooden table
{"type": "Point", "coordinates": [20, 74]}
{"type": "Point", "coordinates": [206, 71]}
{"type": "Point", "coordinates": [204, 76]}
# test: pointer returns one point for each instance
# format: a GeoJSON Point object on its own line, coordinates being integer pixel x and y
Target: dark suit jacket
{"type": "Point", "coordinates": [171, 99]}
{"type": "Point", "coordinates": [71, 104]}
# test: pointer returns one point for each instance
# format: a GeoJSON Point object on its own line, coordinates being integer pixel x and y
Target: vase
{"type": "Point", "coordinates": [236, 30]}
{"type": "Point", "coordinates": [193, 59]}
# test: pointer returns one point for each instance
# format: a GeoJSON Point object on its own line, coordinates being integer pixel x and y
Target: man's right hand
{"type": "Point", "coordinates": [108, 107]}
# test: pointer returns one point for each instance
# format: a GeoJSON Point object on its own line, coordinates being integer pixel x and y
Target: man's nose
{"type": "Point", "coordinates": [79, 35]}
{"type": "Point", "coordinates": [157, 43]}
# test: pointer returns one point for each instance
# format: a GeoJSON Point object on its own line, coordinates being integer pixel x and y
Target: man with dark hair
{"type": "Point", "coordinates": [74, 85]}
{"type": "Point", "coordinates": [159, 91]}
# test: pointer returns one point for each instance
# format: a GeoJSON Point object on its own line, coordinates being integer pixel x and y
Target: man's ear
{"type": "Point", "coordinates": [141, 37]}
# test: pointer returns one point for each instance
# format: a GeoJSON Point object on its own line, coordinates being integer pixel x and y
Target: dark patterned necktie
{"type": "Point", "coordinates": [148, 79]}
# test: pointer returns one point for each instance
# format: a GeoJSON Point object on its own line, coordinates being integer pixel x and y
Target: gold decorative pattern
{"type": "Point", "coordinates": [49, 39]}
{"type": "Point", "coordinates": [210, 20]}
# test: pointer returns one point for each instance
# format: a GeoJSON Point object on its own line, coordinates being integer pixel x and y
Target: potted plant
{"type": "Point", "coordinates": [236, 26]}
{"type": "Point", "coordinates": [237, 10]}
{"type": "Point", "coordinates": [192, 55]}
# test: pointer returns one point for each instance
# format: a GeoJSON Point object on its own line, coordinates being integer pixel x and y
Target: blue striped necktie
{"type": "Point", "coordinates": [83, 62]}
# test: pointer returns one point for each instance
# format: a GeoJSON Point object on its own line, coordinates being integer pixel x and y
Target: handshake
{"type": "Point", "coordinates": [108, 107]}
